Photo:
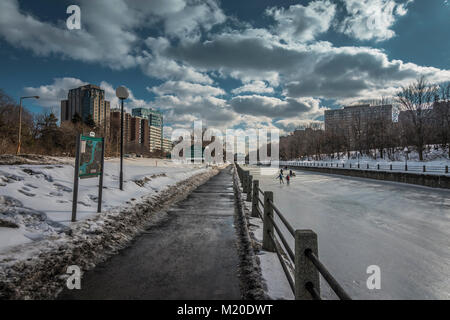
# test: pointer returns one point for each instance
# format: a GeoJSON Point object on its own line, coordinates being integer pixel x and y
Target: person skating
{"type": "Point", "coordinates": [288, 179]}
{"type": "Point", "coordinates": [280, 176]}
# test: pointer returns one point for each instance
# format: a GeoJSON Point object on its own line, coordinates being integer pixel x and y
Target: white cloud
{"type": "Point", "coordinates": [303, 23]}
{"type": "Point", "coordinates": [186, 89]}
{"type": "Point", "coordinates": [253, 86]}
{"type": "Point", "coordinates": [129, 104]}
{"type": "Point", "coordinates": [109, 30]}
{"type": "Point", "coordinates": [52, 94]}
{"type": "Point", "coordinates": [372, 19]}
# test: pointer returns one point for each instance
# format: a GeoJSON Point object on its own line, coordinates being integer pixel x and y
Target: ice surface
{"type": "Point", "coordinates": [404, 229]}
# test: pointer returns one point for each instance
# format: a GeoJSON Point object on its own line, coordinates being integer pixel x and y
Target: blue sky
{"type": "Point", "coordinates": [253, 63]}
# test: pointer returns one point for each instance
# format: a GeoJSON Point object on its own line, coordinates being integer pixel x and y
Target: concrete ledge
{"type": "Point", "coordinates": [428, 180]}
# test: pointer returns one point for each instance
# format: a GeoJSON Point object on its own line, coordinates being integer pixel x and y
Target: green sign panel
{"type": "Point", "coordinates": [90, 157]}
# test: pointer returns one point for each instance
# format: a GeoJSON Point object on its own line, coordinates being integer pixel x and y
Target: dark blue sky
{"type": "Point", "coordinates": [292, 30]}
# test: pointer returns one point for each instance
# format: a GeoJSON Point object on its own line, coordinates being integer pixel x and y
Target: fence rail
{"type": "Point", "coordinates": [396, 167]}
{"type": "Point", "coordinates": [305, 283]}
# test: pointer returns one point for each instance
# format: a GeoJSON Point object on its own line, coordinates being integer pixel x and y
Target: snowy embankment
{"type": "Point", "coordinates": [37, 238]}
{"type": "Point", "coordinates": [432, 157]}
{"type": "Point", "coordinates": [276, 284]}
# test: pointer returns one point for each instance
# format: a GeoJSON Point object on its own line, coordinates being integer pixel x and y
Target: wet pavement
{"type": "Point", "coordinates": [191, 254]}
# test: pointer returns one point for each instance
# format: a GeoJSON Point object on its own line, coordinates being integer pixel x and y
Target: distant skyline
{"type": "Point", "coordinates": [234, 64]}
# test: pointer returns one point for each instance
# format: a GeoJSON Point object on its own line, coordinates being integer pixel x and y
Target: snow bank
{"type": "Point", "coordinates": [34, 256]}
{"type": "Point", "coordinates": [276, 284]}
{"type": "Point", "coordinates": [38, 198]}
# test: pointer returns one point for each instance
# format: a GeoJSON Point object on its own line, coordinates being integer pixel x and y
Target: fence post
{"type": "Point", "coordinates": [244, 181]}
{"type": "Point", "coordinates": [268, 245]}
{"type": "Point", "coordinates": [305, 271]}
{"type": "Point", "coordinates": [406, 167]}
{"type": "Point", "coordinates": [249, 187]}
{"type": "Point", "coordinates": [255, 198]}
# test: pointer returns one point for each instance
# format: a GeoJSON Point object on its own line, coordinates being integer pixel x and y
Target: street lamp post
{"type": "Point", "coordinates": [20, 121]}
{"type": "Point", "coordinates": [122, 94]}
{"type": "Point", "coordinates": [406, 158]}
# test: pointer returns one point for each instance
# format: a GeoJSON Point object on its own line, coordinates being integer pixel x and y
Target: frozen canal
{"type": "Point", "coordinates": [404, 229]}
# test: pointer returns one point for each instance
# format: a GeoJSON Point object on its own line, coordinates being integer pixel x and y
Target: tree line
{"type": "Point", "coordinates": [423, 111]}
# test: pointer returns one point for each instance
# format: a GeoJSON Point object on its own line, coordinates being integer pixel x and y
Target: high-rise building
{"type": "Point", "coordinates": [155, 117]}
{"type": "Point", "coordinates": [155, 122]}
{"type": "Point", "coordinates": [115, 125]}
{"type": "Point", "coordinates": [155, 138]}
{"type": "Point", "coordinates": [87, 100]}
{"type": "Point", "coordinates": [167, 145]}
{"type": "Point", "coordinates": [346, 117]}
{"type": "Point", "coordinates": [135, 130]}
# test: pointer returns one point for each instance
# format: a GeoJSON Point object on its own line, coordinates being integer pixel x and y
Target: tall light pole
{"type": "Point", "coordinates": [122, 94]}
{"type": "Point", "coordinates": [20, 121]}
{"type": "Point", "coordinates": [406, 151]}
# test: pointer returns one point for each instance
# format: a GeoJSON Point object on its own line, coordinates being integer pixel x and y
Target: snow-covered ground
{"type": "Point", "coordinates": [36, 200]}
{"type": "Point", "coordinates": [435, 160]}
{"type": "Point", "coordinates": [271, 269]}
{"type": "Point", "coordinates": [433, 154]}
{"type": "Point", "coordinates": [403, 229]}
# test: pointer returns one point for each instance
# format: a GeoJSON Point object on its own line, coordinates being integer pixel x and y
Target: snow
{"type": "Point", "coordinates": [272, 272]}
{"type": "Point", "coordinates": [277, 284]}
{"type": "Point", "coordinates": [38, 198]}
{"type": "Point", "coordinates": [10, 237]}
{"type": "Point", "coordinates": [435, 160]}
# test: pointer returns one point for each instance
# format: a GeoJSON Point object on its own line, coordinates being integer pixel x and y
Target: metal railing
{"type": "Point", "coordinates": [395, 167]}
{"type": "Point", "coordinates": [305, 283]}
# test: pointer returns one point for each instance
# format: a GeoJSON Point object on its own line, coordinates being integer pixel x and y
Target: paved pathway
{"type": "Point", "coordinates": [191, 255]}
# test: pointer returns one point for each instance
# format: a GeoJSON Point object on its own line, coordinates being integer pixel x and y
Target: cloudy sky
{"type": "Point", "coordinates": [230, 63]}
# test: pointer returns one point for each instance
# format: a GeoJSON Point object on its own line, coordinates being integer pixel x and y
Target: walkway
{"type": "Point", "coordinates": [191, 255]}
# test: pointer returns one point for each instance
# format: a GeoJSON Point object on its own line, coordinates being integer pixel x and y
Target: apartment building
{"type": "Point", "coordinates": [84, 101]}
{"type": "Point", "coordinates": [167, 145]}
{"type": "Point", "coordinates": [155, 123]}
{"type": "Point", "coordinates": [346, 117]}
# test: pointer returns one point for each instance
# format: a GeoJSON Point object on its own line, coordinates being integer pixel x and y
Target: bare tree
{"type": "Point", "coordinates": [415, 103]}
{"type": "Point", "coordinates": [441, 113]}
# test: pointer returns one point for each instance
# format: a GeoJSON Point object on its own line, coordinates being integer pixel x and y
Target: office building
{"type": "Point", "coordinates": [84, 101]}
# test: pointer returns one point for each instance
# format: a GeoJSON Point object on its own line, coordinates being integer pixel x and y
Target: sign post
{"type": "Point", "coordinates": [75, 179]}
{"type": "Point", "coordinates": [89, 163]}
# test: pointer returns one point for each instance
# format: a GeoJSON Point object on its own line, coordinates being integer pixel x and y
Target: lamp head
{"type": "Point", "coordinates": [122, 92]}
